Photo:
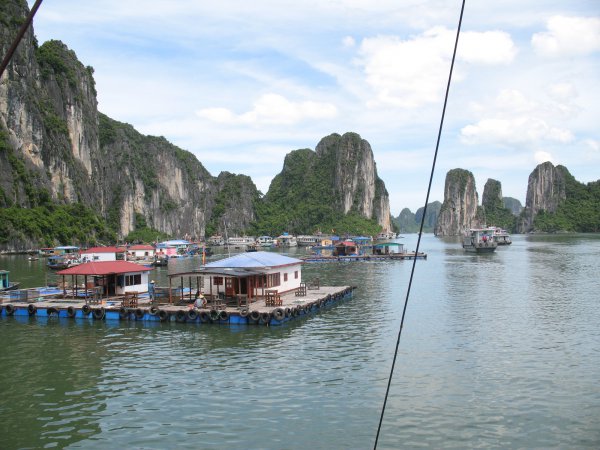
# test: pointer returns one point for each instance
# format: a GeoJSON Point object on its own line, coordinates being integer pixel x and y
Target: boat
{"type": "Point", "coordinates": [287, 240]}
{"type": "Point", "coordinates": [308, 240]}
{"type": "Point", "coordinates": [240, 242]}
{"type": "Point", "coordinates": [480, 240]}
{"type": "Point", "coordinates": [265, 241]}
{"type": "Point", "coordinates": [216, 240]}
{"type": "Point", "coordinates": [501, 236]}
{"type": "Point", "coordinates": [5, 283]}
{"type": "Point", "coordinates": [59, 262]}
{"type": "Point", "coordinates": [385, 236]}
{"type": "Point", "coordinates": [160, 260]}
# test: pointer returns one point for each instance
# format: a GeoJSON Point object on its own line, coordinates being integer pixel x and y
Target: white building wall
{"type": "Point", "coordinates": [99, 257]}
{"type": "Point", "coordinates": [142, 287]}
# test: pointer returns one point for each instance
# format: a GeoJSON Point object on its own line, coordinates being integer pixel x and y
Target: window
{"type": "Point", "coordinates": [132, 280]}
{"type": "Point", "coordinates": [296, 274]}
{"type": "Point", "coordinates": [285, 277]}
{"type": "Point", "coordinates": [273, 279]}
{"type": "Point", "coordinates": [218, 281]}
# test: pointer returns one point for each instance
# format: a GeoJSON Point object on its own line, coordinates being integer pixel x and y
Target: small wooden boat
{"type": "Point", "coordinates": [5, 283]}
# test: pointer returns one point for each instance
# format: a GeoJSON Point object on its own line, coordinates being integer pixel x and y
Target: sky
{"type": "Point", "coordinates": [240, 84]}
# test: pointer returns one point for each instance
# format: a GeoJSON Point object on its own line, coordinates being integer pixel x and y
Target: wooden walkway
{"type": "Point", "coordinates": [293, 305]}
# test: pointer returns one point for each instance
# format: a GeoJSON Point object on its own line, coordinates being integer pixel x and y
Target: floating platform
{"type": "Point", "coordinates": [386, 257]}
{"type": "Point", "coordinates": [257, 313]}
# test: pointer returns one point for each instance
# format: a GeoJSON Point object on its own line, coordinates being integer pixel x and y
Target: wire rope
{"type": "Point", "coordinates": [22, 30]}
{"type": "Point", "coordinates": [412, 272]}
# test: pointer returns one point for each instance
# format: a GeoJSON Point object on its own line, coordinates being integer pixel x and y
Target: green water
{"type": "Point", "coordinates": [498, 351]}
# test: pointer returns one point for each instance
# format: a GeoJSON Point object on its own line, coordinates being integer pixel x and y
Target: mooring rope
{"type": "Point", "coordinates": [17, 40]}
{"type": "Point", "coordinates": [412, 272]}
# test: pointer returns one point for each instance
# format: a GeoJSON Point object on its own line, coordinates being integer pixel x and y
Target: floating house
{"type": "Point", "coordinates": [107, 278]}
{"type": "Point", "coordinates": [66, 250]}
{"type": "Point", "coordinates": [103, 254]}
{"type": "Point", "coordinates": [173, 247]}
{"type": "Point", "coordinates": [388, 248]}
{"type": "Point", "coordinates": [345, 248]}
{"type": "Point", "coordinates": [141, 251]}
{"type": "Point", "coordinates": [248, 275]}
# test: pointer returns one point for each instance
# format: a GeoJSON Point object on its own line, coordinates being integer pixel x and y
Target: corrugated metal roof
{"type": "Point", "coordinates": [104, 268]}
{"type": "Point", "coordinates": [104, 250]}
{"type": "Point", "coordinates": [255, 260]}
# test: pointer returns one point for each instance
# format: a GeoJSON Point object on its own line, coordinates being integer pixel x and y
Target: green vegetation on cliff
{"type": "Point", "coordinates": [302, 199]}
{"type": "Point", "coordinates": [54, 224]}
{"type": "Point", "coordinates": [579, 212]}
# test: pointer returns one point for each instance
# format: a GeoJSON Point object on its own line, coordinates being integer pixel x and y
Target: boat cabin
{"type": "Point", "coordinates": [388, 248]}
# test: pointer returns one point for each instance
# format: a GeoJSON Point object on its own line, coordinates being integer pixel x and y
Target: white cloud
{"type": "Point", "coordinates": [541, 157]}
{"type": "Point", "coordinates": [411, 73]}
{"type": "Point", "coordinates": [568, 36]}
{"type": "Point", "coordinates": [272, 109]}
{"type": "Point", "coordinates": [516, 131]}
{"type": "Point", "coordinates": [489, 47]}
{"type": "Point", "coordinates": [348, 41]}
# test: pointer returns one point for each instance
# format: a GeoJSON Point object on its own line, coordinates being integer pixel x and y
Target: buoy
{"type": "Point", "coordinates": [98, 313]}
{"type": "Point", "coordinates": [279, 314]}
{"type": "Point", "coordinates": [224, 315]}
{"type": "Point", "coordinates": [86, 309]}
{"type": "Point", "coordinates": [123, 313]}
{"type": "Point", "coordinates": [254, 316]}
{"type": "Point", "coordinates": [139, 313]}
{"type": "Point", "coordinates": [214, 315]}
{"type": "Point", "coordinates": [204, 317]}
{"type": "Point", "coordinates": [52, 311]}
{"type": "Point", "coordinates": [31, 309]}
{"type": "Point", "coordinates": [265, 318]}
{"type": "Point", "coordinates": [180, 316]}
{"type": "Point", "coordinates": [163, 315]}
{"type": "Point", "coordinates": [244, 312]}
{"type": "Point", "coordinates": [192, 315]}
{"type": "Point", "coordinates": [71, 312]}
{"type": "Point", "coordinates": [288, 312]}
{"type": "Point", "coordinates": [10, 309]}
{"type": "Point", "coordinates": [153, 310]}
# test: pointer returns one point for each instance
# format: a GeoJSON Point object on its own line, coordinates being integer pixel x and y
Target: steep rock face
{"type": "Point", "coordinates": [356, 184]}
{"type": "Point", "coordinates": [61, 150]}
{"type": "Point", "coordinates": [431, 217]}
{"type": "Point", "coordinates": [513, 205]}
{"type": "Point", "coordinates": [459, 210]}
{"type": "Point", "coordinates": [492, 194]}
{"type": "Point", "coordinates": [546, 189]}
{"type": "Point", "coordinates": [234, 205]}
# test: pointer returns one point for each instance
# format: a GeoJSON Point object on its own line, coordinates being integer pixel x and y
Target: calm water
{"type": "Point", "coordinates": [498, 351]}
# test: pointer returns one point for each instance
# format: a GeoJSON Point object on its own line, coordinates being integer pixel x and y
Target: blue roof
{"type": "Point", "coordinates": [252, 260]}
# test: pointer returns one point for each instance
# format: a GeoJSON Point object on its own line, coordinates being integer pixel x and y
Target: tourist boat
{"type": "Point", "coordinates": [480, 240]}
{"type": "Point", "coordinates": [60, 262]}
{"type": "Point", "coordinates": [216, 240]}
{"type": "Point", "coordinates": [501, 236]}
{"type": "Point", "coordinates": [5, 283]}
{"type": "Point", "coordinates": [385, 235]}
{"type": "Point", "coordinates": [308, 240]}
{"type": "Point", "coordinates": [287, 240]}
{"type": "Point", "coordinates": [160, 260]}
{"type": "Point", "coordinates": [240, 242]}
{"type": "Point", "coordinates": [265, 241]}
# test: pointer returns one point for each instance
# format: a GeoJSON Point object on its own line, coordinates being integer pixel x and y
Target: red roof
{"type": "Point", "coordinates": [104, 268]}
{"type": "Point", "coordinates": [104, 250]}
{"type": "Point", "coordinates": [141, 247]}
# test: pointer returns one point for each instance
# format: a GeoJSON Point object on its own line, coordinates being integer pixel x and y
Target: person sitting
{"type": "Point", "coordinates": [200, 301]}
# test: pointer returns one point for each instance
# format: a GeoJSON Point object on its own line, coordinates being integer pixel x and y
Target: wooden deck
{"type": "Point", "coordinates": [386, 257]}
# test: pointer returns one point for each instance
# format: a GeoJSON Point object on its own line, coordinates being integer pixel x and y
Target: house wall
{"type": "Point", "coordinates": [99, 256]}
{"type": "Point", "coordinates": [142, 287]}
{"type": "Point", "coordinates": [142, 253]}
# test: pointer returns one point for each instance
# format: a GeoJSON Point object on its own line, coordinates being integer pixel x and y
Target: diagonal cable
{"type": "Point", "coordinates": [412, 272]}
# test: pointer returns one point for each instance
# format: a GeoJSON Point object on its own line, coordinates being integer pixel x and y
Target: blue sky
{"type": "Point", "coordinates": [240, 84]}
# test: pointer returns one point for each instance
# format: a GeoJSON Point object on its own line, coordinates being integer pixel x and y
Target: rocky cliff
{"type": "Point", "coordinates": [322, 188]}
{"type": "Point", "coordinates": [459, 212]}
{"type": "Point", "coordinates": [407, 222]}
{"type": "Point", "coordinates": [546, 190]}
{"type": "Point", "coordinates": [495, 213]}
{"type": "Point", "coordinates": [62, 150]}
